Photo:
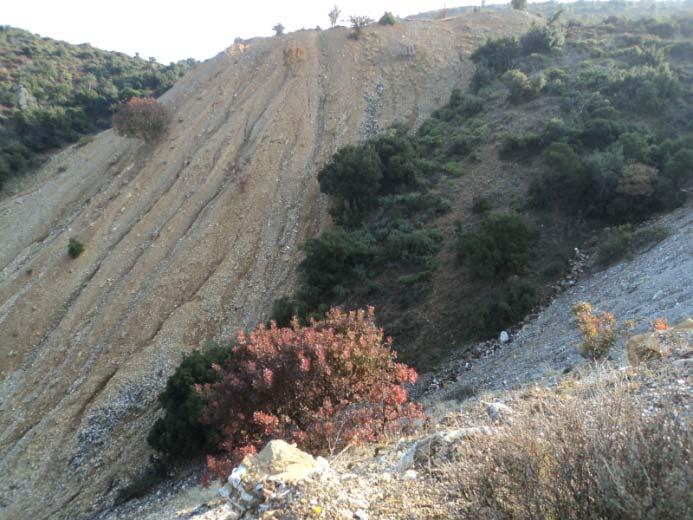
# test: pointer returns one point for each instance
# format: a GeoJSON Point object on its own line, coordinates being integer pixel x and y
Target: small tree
{"type": "Point", "coordinates": [357, 24]}
{"type": "Point", "coordinates": [388, 19]}
{"type": "Point", "coordinates": [520, 5]}
{"type": "Point", "coordinates": [74, 248]}
{"type": "Point", "coordinates": [278, 29]}
{"type": "Point", "coordinates": [144, 118]}
{"type": "Point", "coordinates": [598, 331]}
{"type": "Point", "coordinates": [334, 15]}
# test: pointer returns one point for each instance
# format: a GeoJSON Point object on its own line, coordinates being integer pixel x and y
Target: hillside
{"type": "Point", "coordinates": [52, 93]}
{"type": "Point", "coordinates": [185, 241]}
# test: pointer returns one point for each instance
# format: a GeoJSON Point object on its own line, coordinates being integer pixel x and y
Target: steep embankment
{"type": "Point", "coordinates": [184, 240]}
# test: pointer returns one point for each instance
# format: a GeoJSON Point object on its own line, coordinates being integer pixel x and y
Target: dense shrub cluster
{"type": "Point", "coordinates": [54, 93]}
{"type": "Point", "coordinates": [500, 55]}
{"type": "Point", "coordinates": [381, 202]}
{"type": "Point", "coordinates": [142, 118]}
{"type": "Point", "coordinates": [323, 386]}
{"type": "Point", "coordinates": [498, 249]}
{"type": "Point", "coordinates": [541, 39]}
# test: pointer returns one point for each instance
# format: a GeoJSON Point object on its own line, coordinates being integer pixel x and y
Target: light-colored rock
{"type": "Point", "coordinates": [504, 337]}
{"type": "Point", "coordinates": [268, 474]}
{"type": "Point", "coordinates": [499, 412]}
{"type": "Point", "coordinates": [643, 347]}
{"type": "Point", "coordinates": [281, 461]}
{"type": "Point", "coordinates": [437, 447]}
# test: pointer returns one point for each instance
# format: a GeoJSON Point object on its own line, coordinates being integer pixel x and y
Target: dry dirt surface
{"type": "Point", "coordinates": [186, 240]}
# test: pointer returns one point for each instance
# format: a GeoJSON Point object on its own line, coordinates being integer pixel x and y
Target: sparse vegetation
{"type": "Point", "coordinates": [601, 453]}
{"type": "Point", "coordinates": [598, 331]}
{"type": "Point", "coordinates": [357, 25]}
{"type": "Point", "coordinates": [334, 15]}
{"type": "Point", "coordinates": [626, 240]}
{"type": "Point", "coordinates": [278, 29]}
{"type": "Point", "coordinates": [141, 118]}
{"type": "Point", "coordinates": [74, 248]}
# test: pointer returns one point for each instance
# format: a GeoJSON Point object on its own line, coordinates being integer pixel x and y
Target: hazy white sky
{"type": "Point", "coordinates": [172, 30]}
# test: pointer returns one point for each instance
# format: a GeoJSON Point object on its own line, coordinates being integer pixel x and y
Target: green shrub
{"type": "Point", "coordinates": [388, 19]}
{"type": "Point", "coordinates": [335, 261]}
{"type": "Point", "coordinates": [541, 39]}
{"type": "Point", "coordinates": [75, 248]}
{"type": "Point", "coordinates": [498, 55]}
{"type": "Point", "coordinates": [179, 434]}
{"type": "Point", "coordinates": [480, 205]}
{"type": "Point", "coordinates": [353, 176]}
{"type": "Point", "coordinates": [498, 249]}
{"type": "Point", "coordinates": [679, 168]}
{"type": "Point", "coordinates": [564, 181]}
{"type": "Point", "coordinates": [482, 77]}
{"type": "Point", "coordinates": [460, 107]}
{"type": "Point", "coordinates": [520, 5]}
{"type": "Point", "coordinates": [415, 247]}
{"type": "Point", "coordinates": [522, 146]}
{"type": "Point", "coordinates": [521, 87]}
{"type": "Point", "coordinates": [635, 146]}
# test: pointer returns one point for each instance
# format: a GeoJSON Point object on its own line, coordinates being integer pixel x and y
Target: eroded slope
{"type": "Point", "coordinates": [184, 240]}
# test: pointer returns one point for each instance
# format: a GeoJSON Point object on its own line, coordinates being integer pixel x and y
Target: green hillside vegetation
{"type": "Point", "coordinates": [52, 93]}
{"type": "Point", "coordinates": [593, 121]}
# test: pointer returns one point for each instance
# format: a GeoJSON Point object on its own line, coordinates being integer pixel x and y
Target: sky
{"type": "Point", "coordinates": [173, 30]}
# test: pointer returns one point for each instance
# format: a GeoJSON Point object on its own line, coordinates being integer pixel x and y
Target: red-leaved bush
{"type": "Point", "coordinates": [145, 118]}
{"type": "Point", "coordinates": [323, 386]}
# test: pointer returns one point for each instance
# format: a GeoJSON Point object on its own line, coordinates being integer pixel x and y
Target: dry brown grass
{"type": "Point", "coordinates": [597, 452]}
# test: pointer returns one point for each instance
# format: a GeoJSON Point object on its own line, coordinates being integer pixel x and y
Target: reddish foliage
{"type": "Point", "coordinates": [324, 386]}
{"type": "Point", "coordinates": [145, 118]}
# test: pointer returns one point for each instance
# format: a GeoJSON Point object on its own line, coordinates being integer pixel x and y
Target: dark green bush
{"type": "Point", "coordinates": [480, 205]}
{"type": "Point", "coordinates": [498, 249]}
{"type": "Point", "coordinates": [353, 176]}
{"type": "Point", "coordinates": [498, 55]}
{"type": "Point", "coordinates": [334, 262]}
{"type": "Point", "coordinates": [541, 39]}
{"type": "Point", "coordinates": [415, 247]}
{"type": "Point", "coordinates": [388, 19]}
{"type": "Point", "coordinates": [564, 181]}
{"type": "Point", "coordinates": [75, 248]}
{"type": "Point", "coordinates": [522, 146]}
{"type": "Point", "coordinates": [179, 435]}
